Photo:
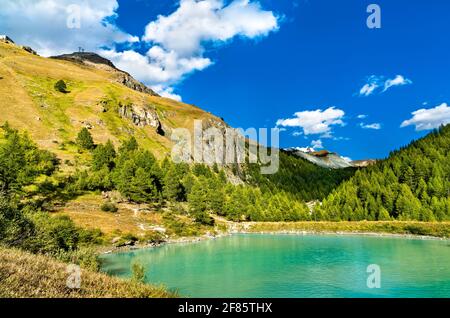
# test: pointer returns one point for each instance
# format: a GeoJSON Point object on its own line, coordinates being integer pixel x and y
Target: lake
{"type": "Point", "coordinates": [264, 265]}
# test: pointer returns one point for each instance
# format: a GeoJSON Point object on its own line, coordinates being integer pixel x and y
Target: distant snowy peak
{"type": "Point", "coordinates": [327, 159]}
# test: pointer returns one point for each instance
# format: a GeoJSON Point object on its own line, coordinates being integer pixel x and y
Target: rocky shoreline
{"type": "Point", "coordinates": [246, 230]}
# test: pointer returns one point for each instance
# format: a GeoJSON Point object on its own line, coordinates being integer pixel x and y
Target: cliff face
{"type": "Point", "coordinates": [142, 116]}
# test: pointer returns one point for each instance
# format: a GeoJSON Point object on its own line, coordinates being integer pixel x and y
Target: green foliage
{"type": "Point", "coordinates": [198, 201]}
{"type": "Point", "coordinates": [21, 162]}
{"type": "Point", "coordinates": [52, 234]}
{"type": "Point", "coordinates": [15, 228]}
{"type": "Point", "coordinates": [300, 178]}
{"type": "Point", "coordinates": [138, 176]}
{"type": "Point", "coordinates": [138, 272]}
{"type": "Point", "coordinates": [86, 257]}
{"type": "Point", "coordinates": [412, 184]}
{"type": "Point", "coordinates": [109, 207]}
{"type": "Point", "coordinates": [103, 157]}
{"type": "Point", "coordinates": [61, 86]}
{"type": "Point", "coordinates": [173, 188]}
{"type": "Point", "coordinates": [84, 139]}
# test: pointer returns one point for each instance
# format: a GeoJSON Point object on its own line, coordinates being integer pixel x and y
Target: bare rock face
{"type": "Point", "coordinates": [128, 81]}
{"type": "Point", "coordinates": [6, 39]}
{"type": "Point", "coordinates": [29, 50]}
{"type": "Point", "coordinates": [142, 117]}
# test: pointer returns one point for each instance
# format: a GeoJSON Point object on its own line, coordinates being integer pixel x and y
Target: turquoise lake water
{"type": "Point", "coordinates": [257, 265]}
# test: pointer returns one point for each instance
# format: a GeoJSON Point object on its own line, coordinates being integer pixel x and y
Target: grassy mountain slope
{"type": "Point", "coordinates": [30, 102]}
{"type": "Point", "coordinates": [412, 184]}
{"type": "Point", "coordinates": [27, 275]}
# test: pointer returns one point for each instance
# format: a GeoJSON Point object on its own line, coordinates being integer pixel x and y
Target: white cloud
{"type": "Point", "coordinates": [368, 89]}
{"type": "Point", "coordinates": [361, 116]}
{"type": "Point", "coordinates": [399, 80]}
{"type": "Point", "coordinates": [375, 126]}
{"type": "Point", "coordinates": [426, 119]}
{"type": "Point", "coordinates": [295, 133]}
{"type": "Point", "coordinates": [179, 39]}
{"type": "Point", "coordinates": [167, 92]}
{"type": "Point", "coordinates": [376, 83]}
{"type": "Point", "coordinates": [157, 67]}
{"type": "Point", "coordinates": [176, 43]}
{"type": "Point", "coordinates": [316, 121]}
{"type": "Point", "coordinates": [197, 22]}
{"type": "Point", "coordinates": [42, 24]}
{"type": "Point", "coordinates": [317, 144]}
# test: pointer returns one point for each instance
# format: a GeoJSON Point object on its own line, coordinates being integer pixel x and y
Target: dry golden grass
{"type": "Point", "coordinates": [85, 212]}
{"type": "Point", "coordinates": [25, 275]}
{"type": "Point", "coordinates": [26, 85]}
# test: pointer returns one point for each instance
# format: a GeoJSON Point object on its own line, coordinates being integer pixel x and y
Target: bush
{"type": "Point", "coordinates": [61, 86]}
{"type": "Point", "coordinates": [52, 233]}
{"type": "Point", "coordinates": [138, 272]}
{"type": "Point", "coordinates": [85, 257]}
{"type": "Point", "coordinates": [109, 207]}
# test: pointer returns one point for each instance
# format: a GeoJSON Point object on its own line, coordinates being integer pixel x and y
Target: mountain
{"type": "Point", "coordinates": [412, 184]}
{"type": "Point", "coordinates": [322, 158]}
{"type": "Point", "coordinates": [327, 159]}
{"type": "Point", "coordinates": [107, 101]}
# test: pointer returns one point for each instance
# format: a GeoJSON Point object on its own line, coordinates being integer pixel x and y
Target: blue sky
{"type": "Point", "coordinates": [268, 60]}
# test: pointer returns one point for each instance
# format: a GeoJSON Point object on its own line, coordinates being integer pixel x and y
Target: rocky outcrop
{"type": "Point", "coordinates": [128, 80]}
{"type": "Point", "coordinates": [142, 117]}
{"type": "Point", "coordinates": [6, 39]}
{"type": "Point", "coordinates": [363, 163]}
{"type": "Point", "coordinates": [29, 50]}
{"type": "Point", "coordinates": [84, 58]}
{"type": "Point", "coordinates": [95, 60]}
{"type": "Point", "coordinates": [323, 158]}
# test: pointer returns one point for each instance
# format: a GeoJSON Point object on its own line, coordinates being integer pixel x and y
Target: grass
{"type": "Point", "coordinates": [25, 275]}
{"type": "Point", "coordinates": [30, 102]}
{"type": "Point", "coordinates": [437, 229]}
{"type": "Point", "coordinates": [86, 212]}
{"type": "Point", "coordinates": [130, 219]}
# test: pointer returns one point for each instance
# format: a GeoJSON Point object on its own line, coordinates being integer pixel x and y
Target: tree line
{"type": "Point", "coordinates": [412, 184]}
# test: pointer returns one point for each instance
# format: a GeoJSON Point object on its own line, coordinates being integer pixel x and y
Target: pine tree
{"type": "Point", "coordinates": [103, 156]}
{"type": "Point", "coordinates": [173, 188]}
{"type": "Point", "coordinates": [197, 200]}
{"type": "Point", "coordinates": [84, 139]}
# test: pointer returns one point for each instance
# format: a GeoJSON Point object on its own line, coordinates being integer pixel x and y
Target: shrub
{"type": "Point", "coordinates": [85, 257]}
{"type": "Point", "coordinates": [109, 207]}
{"type": "Point", "coordinates": [138, 272]}
{"type": "Point", "coordinates": [52, 233]}
{"type": "Point", "coordinates": [61, 86]}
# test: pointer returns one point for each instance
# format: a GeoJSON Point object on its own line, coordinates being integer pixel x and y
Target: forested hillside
{"type": "Point", "coordinates": [412, 184]}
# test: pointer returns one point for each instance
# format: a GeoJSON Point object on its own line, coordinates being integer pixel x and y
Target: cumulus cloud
{"type": "Point", "coordinates": [381, 84]}
{"type": "Point", "coordinates": [157, 67]}
{"type": "Point", "coordinates": [51, 26]}
{"type": "Point", "coordinates": [426, 119]}
{"type": "Point", "coordinates": [375, 126]}
{"type": "Point", "coordinates": [195, 23]}
{"type": "Point", "coordinates": [175, 44]}
{"type": "Point", "coordinates": [316, 121]}
{"type": "Point", "coordinates": [317, 144]}
{"type": "Point", "coordinates": [362, 116]}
